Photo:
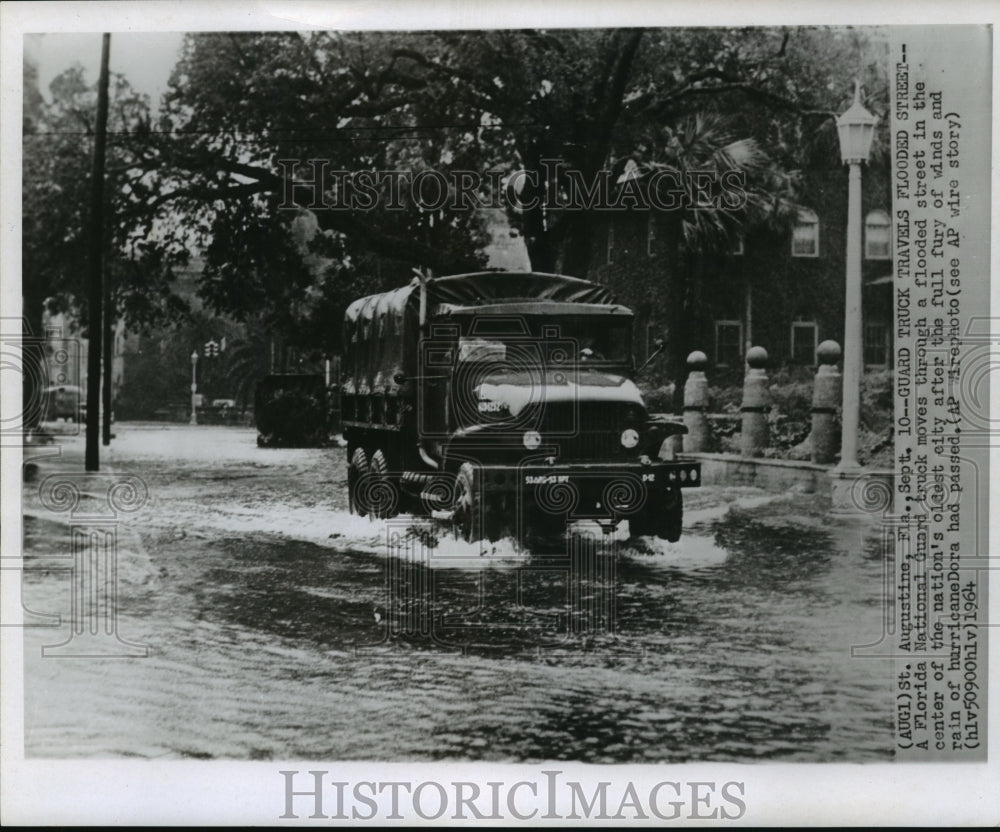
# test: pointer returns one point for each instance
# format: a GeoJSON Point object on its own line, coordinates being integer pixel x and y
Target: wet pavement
{"type": "Point", "coordinates": [278, 626]}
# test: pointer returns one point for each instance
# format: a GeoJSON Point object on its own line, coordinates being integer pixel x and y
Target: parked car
{"type": "Point", "coordinates": [65, 401]}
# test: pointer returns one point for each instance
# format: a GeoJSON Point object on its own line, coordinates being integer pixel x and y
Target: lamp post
{"type": "Point", "coordinates": [194, 387]}
{"type": "Point", "coordinates": [855, 128]}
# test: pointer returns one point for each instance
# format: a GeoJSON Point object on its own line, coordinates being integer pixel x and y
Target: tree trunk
{"type": "Point", "coordinates": [34, 374]}
{"type": "Point", "coordinates": [678, 303]}
{"type": "Point", "coordinates": [578, 251]}
{"type": "Point", "coordinates": [538, 240]}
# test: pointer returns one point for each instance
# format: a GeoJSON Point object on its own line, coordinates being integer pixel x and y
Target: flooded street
{"type": "Point", "coordinates": [278, 626]}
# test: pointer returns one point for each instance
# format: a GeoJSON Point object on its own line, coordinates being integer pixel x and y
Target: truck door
{"type": "Point", "coordinates": [437, 357]}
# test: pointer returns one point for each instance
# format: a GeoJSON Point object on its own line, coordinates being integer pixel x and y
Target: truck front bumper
{"type": "Point", "coordinates": [596, 489]}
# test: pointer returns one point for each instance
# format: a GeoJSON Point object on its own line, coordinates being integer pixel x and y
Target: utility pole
{"type": "Point", "coordinates": [109, 349]}
{"type": "Point", "coordinates": [95, 293]}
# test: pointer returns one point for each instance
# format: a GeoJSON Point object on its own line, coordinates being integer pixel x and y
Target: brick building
{"type": "Point", "coordinates": [780, 286]}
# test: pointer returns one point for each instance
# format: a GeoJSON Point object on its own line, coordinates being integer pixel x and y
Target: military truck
{"type": "Point", "coordinates": [290, 409]}
{"type": "Point", "coordinates": [505, 403]}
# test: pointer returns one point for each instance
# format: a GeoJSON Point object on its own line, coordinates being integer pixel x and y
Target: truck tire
{"type": "Point", "coordinates": [383, 497]}
{"type": "Point", "coordinates": [661, 519]}
{"type": "Point", "coordinates": [474, 518]}
{"type": "Point", "coordinates": [357, 469]}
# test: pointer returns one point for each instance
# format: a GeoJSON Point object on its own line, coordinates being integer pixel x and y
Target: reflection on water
{"type": "Point", "coordinates": [732, 644]}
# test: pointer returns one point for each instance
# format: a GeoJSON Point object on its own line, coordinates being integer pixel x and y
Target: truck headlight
{"type": "Point", "coordinates": [630, 438]}
{"type": "Point", "coordinates": [531, 439]}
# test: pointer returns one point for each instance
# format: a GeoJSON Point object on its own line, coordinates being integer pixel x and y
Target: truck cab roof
{"type": "Point", "coordinates": [552, 308]}
{"type": "Point", "coordinates": [479, 289]}
{"type": "Point", "coordinates": [382, 332]}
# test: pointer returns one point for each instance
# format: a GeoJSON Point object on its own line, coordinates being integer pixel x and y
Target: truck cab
{"type": "Point", "coordinates": [506, 403]}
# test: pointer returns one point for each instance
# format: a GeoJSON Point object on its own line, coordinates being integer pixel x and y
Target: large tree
{"type": "Point", "coordinates": [590, 97]}
{"type": "Point", "coordinates": [56, 178]}
{"type": "Point", "coordinates": [58, 148]}
{"type": "Point", "coordinates": [213, 175]}
{"type": "Point", "coordinates": [220, 167]}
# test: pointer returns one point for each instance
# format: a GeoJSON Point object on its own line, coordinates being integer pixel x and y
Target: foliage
{"type": "Point", "coordinates": [158, 376]}
{"type": "Point", "coordinates": [790, 417]}
{"type": "Point", "coordinates": [793, 399]}
{"type": "Point", "coordinates": [57, 162]}
{"type": "Point", "coordinates": [658, 399]}
{"type": "Point", "coordinates": [724, 433]}
{"type": "Point", "coordinates": [877, 400]}
{"type": "Point", "coordinates": [591, 98]}
{"type": "Point", "coordinates": [210, 176]}
{"type": "Point", "coordinates": [875, 442]}
{"type": "Point", "coordinates": [725, 399]}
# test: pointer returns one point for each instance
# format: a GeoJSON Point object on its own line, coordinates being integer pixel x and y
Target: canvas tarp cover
{"type": "Point", "coordinates": [381, 331]}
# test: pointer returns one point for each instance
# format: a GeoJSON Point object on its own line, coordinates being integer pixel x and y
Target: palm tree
{"type": "Point", "coordinates": [702, 148]}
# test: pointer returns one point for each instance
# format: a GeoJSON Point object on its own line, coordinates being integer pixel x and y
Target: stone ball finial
{"type": "Point", "coordinates": [757, 358]}
{"type": "Point", "coordinates": [697, 361]}
{"type": "Point", "coordinates": [828, 352]}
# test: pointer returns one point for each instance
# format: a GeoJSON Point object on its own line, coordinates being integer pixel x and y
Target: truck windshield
{"type": "Point", "coordinates": [569, 340]}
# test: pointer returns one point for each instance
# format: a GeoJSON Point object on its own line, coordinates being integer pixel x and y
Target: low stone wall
{"type": "Point", "coordinates": [787, 474]}
{"type": "Point", "coordinates": [769, 474]}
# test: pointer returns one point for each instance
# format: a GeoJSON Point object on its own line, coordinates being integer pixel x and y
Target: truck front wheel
{"type": "Point", "coordinates": [475, 519]}
{"type": "Point", "coordinates": [660, 518]}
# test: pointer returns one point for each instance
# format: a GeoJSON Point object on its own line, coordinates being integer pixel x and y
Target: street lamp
{"type": "Point", "coordinates": [194, 388]}
{"type": "Point", "coordinates": [855, 128]}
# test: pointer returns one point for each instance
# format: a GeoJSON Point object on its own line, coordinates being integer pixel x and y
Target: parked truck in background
{"type": "Point", "coordinates": [505, 402]}
{"type": "Point", "coordinates": [291, 409]}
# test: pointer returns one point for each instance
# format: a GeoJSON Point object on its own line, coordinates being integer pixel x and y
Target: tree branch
{"type": "Point", "coordinates": [761, 95]}
{"type": "Point", "coordinates": [201, 192]}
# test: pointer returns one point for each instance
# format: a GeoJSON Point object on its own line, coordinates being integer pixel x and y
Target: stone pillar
{"type": "Point", "coordinates": [696, 403]}
{"type": "Point", "coordinates": [756, 404]}
{"type": "Point", "coordinates": [825, 437]}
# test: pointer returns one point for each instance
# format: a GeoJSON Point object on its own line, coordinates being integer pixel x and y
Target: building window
{"type": "Point", "coordinates": [610, 258]}
{"type": "Point", "coordinates": [650, 235]}
{"type": "Point", "coordinates": [876, 345]}
{"type": "Point", "coordinates": [804, 337]}
{"type": "Point", "coordinates": [805, 235]}
{"type": "Point", "coordinates": [878, 236]}
{"type": "Point", "coordinates": [728, 343]}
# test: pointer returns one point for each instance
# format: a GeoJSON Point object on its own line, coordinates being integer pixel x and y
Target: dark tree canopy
{"type": "Point", "coordinates": [58, 148]}
{"type": "Point", "coordinates": [210, 176]}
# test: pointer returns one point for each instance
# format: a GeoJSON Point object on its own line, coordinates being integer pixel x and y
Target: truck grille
{"type": "Point", "coordinates": [587, 430]}
{"type": "Point", "coordinates": [592, 445]}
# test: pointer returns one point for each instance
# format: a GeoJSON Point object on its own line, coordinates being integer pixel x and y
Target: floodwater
{"type": "Point", "coordinates": [280, 627]}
